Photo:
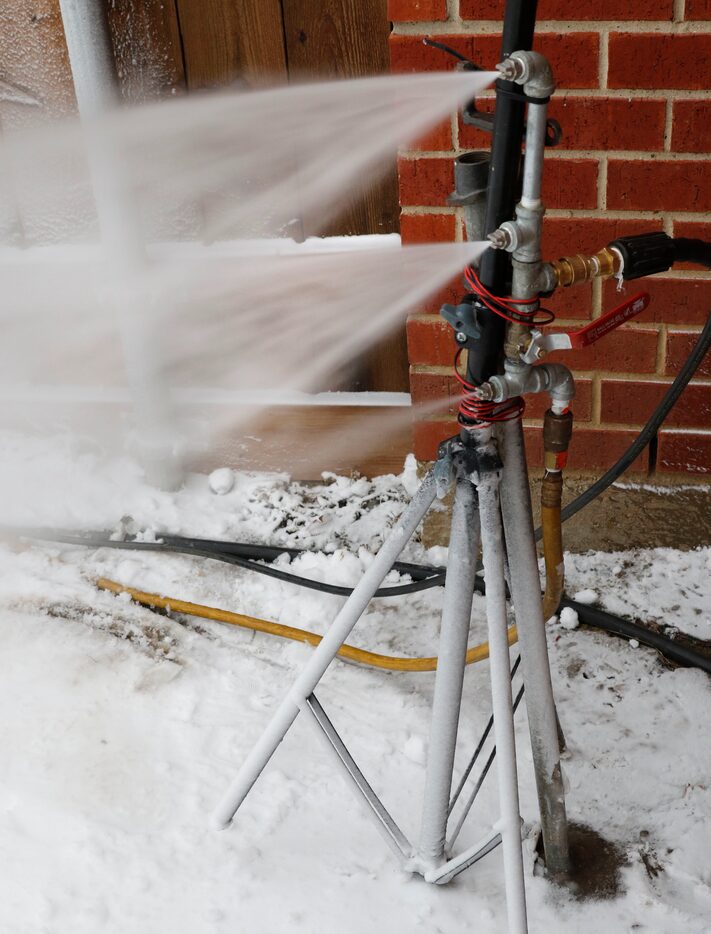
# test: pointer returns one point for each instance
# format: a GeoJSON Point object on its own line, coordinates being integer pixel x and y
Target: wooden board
{"type": "Point", "coordinates": [349, 39]}
{"type": "Point", "coordinates": [147, 48]}
{"type": "Point", "coordinates": [224, 41]}
{"type": "Point", "coordinates": [304, 441]}
{"type": "Point", "coordinates": [344, 39]}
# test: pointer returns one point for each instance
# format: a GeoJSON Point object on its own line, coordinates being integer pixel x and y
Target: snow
{"type": "Point", "coordinates": [221, 481]}
{"type": "Point", "coordinates": [569, 618]}
{"type": "Point", "coordinates": [122, 728]}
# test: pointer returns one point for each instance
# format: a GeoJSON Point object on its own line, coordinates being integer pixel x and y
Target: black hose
{"type": "Point", "coordinates": [192, 547]}
{"type": "Point", "coordinates": [650, 429]}
{"type": "Point", "coordinates": [671, 649]}
{"type": "Point", "coordinates": [692, 251]}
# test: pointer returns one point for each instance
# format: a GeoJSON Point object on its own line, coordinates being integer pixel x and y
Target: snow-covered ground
{"type": "Point", "coordinates": [121, 728]}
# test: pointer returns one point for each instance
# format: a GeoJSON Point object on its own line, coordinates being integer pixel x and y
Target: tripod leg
{"type": "Point", "coordinates": [526, 593]}
{"type": "Point", "coordinates": [454, 633]}
{"type": "Point", "coordinates": [324, 653]}
{"type": "Point", "coordinates": [492, 547]}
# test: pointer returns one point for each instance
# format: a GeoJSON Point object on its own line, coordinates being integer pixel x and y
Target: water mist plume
{"type": "Point", "coordinates": [166, 325]}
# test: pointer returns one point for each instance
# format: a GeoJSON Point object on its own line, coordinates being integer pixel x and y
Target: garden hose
{"type": "Point", "coordinates": [373, 659]}
{"type": "Point", "coordinates": [551, 495]}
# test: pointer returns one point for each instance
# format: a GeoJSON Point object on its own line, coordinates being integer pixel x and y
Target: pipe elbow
{"type": "Point", "coordinates": [532, 70]}
{"type": "Point", "coordinates": [560, 384]}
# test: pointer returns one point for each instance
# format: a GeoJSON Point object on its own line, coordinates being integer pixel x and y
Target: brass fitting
{"type": "Point", "coordinates": [557, 432]}
{"type": "Point", "coordinates": [571, 270]}
{"type": "Point", "coordinates": [552, 489]}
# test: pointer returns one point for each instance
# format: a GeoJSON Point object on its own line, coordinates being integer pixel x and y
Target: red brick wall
{"type": "Point", "coordinates": [635, 107]}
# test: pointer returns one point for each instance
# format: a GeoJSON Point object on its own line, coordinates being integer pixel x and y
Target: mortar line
{"type": "Point", "coordinates": [494, 27]}
{"type": "Point", "coordinates": [668, 125]}
{"type": "Point", "coordinates": [602, 183]}
{"type": "Point", "coordinates": [639, 155]}
{"type": "Point", "coordinates": [603, 57]}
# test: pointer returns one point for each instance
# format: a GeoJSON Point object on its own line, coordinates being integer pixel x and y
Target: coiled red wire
{"type": "Point", "coordinates": [471, 408]}
{"type": "Point", "coordinates": [479, 410]}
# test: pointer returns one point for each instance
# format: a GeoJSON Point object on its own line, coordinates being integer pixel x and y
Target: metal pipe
{"type": "Point", "coordinates": [509, 824]}
{"type": "Point", "coordinates": [454, 632]}
{"type": "Point", "coordinates": [91, 59]}
{"type": "Point", "coordinates": [503, 187]}
{"type": "Point", "coordinates": [86, 31]}
{"type": "Point", "coordinates": [533, 160]}
{"type": "Point", "coordinates": [394, 837]}
{"type": "Point", "coordinates": [526, 594]}
{"type": "Point", "coordinates": [324, 654]}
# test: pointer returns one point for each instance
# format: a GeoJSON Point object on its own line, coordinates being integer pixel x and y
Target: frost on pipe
{"type": "Point", "coordinates": [231, 163]}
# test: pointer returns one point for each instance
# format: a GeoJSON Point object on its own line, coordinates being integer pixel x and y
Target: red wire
{"type": "Point", "coordinates": [494, 303]}
{"type": "Point", "coordinates": [483, 411]}
{"type": "Point", "coordinates": [470, 407]}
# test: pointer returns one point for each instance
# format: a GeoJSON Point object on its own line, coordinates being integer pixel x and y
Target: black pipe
{"type": "Point", "coordinates": [503, 190]}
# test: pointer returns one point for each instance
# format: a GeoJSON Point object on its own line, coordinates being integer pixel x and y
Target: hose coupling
{"type": "Point", "coordinates": [571, 270]}
{"type": "Point", "coordinates": [557, 432]}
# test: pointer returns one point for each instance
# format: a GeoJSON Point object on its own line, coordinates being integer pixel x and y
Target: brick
{"type": "Point", "coordinates": [631, 403]}
{"type": "Point", "coordinates": [567, 235]}
{"type": "Point", "coordinates": [658, 185]}
{"type": "Point", "coordinates": [573, 55]}
{"type": "Point", "coordinates": [438, 139]}
{"type": "Point", "coordinates": [679, 344]}
{"type": "Point", "coordinates": [691, 127]}
{"type": "Point", "coordinates": [450, 293]}
{"type": "Point", "coordinates": [599, 448]}
{"type": "Point", "coordinates": [427, 228]}
{"type": "Point", "coordinates": [571, 303]}
{"type": "Point", "coordinates": [429, 180]}
{"type": "Point", "coordinates": [657, 60]}
{"type": "Point", "coordinates": [700, 230]}
{"type": "Point", "coordinates": [590, 449]}
{"type": "Point", "coordinates": [428, 435]}
{"type": "Point", "coordinates": [697, 9]}
{"type": "Point", "coordinates": [626, 350]}
{"type": "Point", "coordinates": [570, 183]}
{"type": "Point", "coordinates": [426, 181]}
{"type": "Point", "coordinates": [674, 301]}
{"type": "Point", "coordinates": [575, 10]}
{"type": "Point", "coordinates": [596, 124]}
{"type": "Point", "coordinates": [429, 388]}
{"type": "Point", "coordinates": [684, 451]}
{"type": "Point", "coordinates": [405, 11]}
{"type": "Point", "coordinates": [430, 340]}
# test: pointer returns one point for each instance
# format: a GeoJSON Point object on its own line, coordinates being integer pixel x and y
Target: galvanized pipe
{"type": "Point", "coordinates": [454, 634]}
{"type": "Point", "coordinates": [324, 654]}
{"type": "Point", "coordinates": [91, 59]}
{"type": "Point", "coordinates": [526, 594]}
{"type": "Point", "coordinates": [509, 824]}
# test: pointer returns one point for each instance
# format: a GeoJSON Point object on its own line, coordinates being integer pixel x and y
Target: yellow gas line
{"type": "Point", "coordinates": [389, 662]}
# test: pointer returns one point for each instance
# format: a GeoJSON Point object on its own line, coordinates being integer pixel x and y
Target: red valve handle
{"type": "Point", "coordinates": [609, 321]}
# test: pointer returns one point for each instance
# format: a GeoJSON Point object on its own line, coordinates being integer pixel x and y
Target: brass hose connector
{"type": "Point", "coordinates": [551, 498]}
{"type": "Point", "coordinates": [557, 432]}
{"type": "Point", "coordinates": [571, 270]}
